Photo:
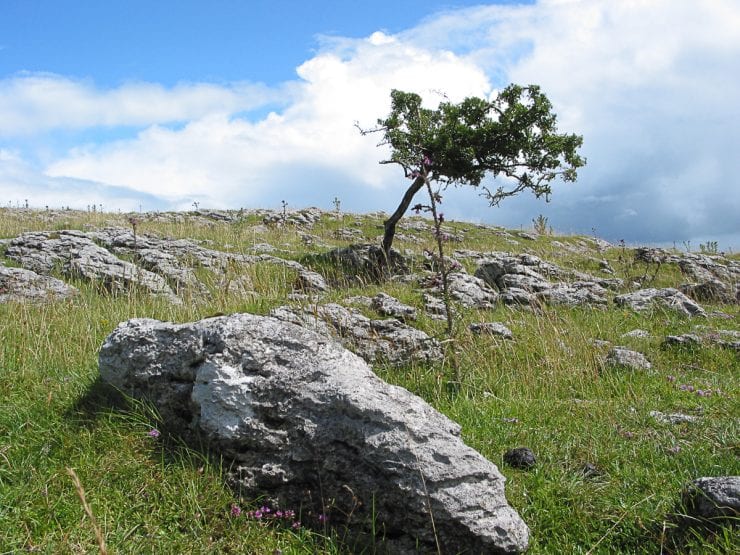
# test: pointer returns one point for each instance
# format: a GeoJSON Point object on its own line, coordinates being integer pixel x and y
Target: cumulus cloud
{"type": "Point", "coordinates": [235, 160]}
{"type": "Point", "coordinates": [21, 184]}
{"type": "Point", "coordinates": [652, 86]}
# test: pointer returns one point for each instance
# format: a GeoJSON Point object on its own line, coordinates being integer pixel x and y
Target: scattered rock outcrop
{"type": "Point", "coordinates": [524, 279]}
{"type": "Point", "coordinates": [301, 421]}
{"type": "Point", "coordinates": [17, 284]}
{"type": "Point", "coordinates": [389, 341]}
{"type": "Point", "coordinates": [77, 256]}
{"type": "Point", "coordinates": [669, 298]}
{"type": "Point", "coordinates": [390, 306]}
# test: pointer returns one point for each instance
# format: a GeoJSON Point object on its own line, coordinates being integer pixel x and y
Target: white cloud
{"type": "Point", "coordinates": [34, 103]}
{"type": "Point", "coordinates": [233, 160]}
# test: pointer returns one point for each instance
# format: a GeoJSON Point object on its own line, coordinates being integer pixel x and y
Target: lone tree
{"type": "Point", "coordinates": [512, 137]}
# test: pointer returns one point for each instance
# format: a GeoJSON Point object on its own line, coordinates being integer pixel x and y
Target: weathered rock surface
{"type": "Point", "coordinates": [17, 284]}
{"type": "Point", "coordinates": [683, 340]}
{"type": "Point", "coordinates": [710, 291]}
{"type": "Point", "coordinates": [389, 341]}
{"type": "Point", "coordinates": [491, 328]}
{"type": "Point", "coordinates": [79, 257]}
{"type": "Point", "coordinates": [714, 498]}
{"type": "Point", "coordinates": [524, 279]}
{"type": "Point", "coordinates": [158, 265]}
{"type": "Point", "coordinates": [625, 358]}
{"type": "Point", "coordinates": [672, 299]}
{"type": "Point", "coordinates": [674, 418]}
{"type": "Point", "coordinates": [365, 261]}
{"type": "Point", "coordinates": [390, 306]}
{"type": "Point", "coordinates": [471, 291]}
{"type": "Point", "coordinates": [304, 422]}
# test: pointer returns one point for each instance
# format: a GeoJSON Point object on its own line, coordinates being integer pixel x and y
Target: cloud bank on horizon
{"type": "Point", "coordinates": [652, 87]}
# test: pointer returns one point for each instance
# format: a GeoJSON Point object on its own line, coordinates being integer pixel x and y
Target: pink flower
{"type": "Point", "coordinates": [235, 510]}
{"type": "Point", "coordinates": [154, 433]}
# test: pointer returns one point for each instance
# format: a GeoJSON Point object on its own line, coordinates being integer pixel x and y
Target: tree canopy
{"type": "Point", "coordinates": [512, 137]}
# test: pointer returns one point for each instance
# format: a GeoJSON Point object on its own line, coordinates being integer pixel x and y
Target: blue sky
{"type": "Point", "coordinates": [230, 104]}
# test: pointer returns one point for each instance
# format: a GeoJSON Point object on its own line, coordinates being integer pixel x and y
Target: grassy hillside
{"type": "Point", "coordinates": [549, 390]}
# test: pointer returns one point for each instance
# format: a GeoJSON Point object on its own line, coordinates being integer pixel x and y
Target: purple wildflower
{"type": "Point", "coordinates": [323, 517]}
{"type": "Point", "coordinates": [296, 525]}
{"type": "Point", "coordinates": [235, 510]}
{"type": "Point", "coordinates": [153, 433]}
{"type": "Point", "coordinates": [670, 378]}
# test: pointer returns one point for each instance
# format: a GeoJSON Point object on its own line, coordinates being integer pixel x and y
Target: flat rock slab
{"type": "Point", "coordinates": [17, 284]}
{"type": "Point", "coordinates": [669, 298]}
{"type": "Point", "coordinates": [307, 424]}
{"type": "Point", "coordinates": [387, 341]}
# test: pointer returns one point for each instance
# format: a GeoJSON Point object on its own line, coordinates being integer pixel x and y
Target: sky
{"type": "Point", "coordinates": [166, 105]}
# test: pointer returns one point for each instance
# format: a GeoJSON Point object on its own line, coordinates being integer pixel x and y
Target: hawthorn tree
{"type": "Point", "coordinates": [512, 137]}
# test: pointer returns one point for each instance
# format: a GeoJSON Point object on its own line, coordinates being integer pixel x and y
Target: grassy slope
{"type": "Point", "coordinates": [156, 496]}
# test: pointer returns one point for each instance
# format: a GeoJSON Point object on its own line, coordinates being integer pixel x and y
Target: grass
{"type": "Point", "coordinates": [547, 390]}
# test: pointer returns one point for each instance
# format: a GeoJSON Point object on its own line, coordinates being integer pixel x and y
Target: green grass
{"type": "Point", "coordinates": [548, 390]}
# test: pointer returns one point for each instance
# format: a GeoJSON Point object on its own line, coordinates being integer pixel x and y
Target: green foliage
{"type": "Point", "coordinates": [514, 136]}
{"type": "Point", "coordinates": [710, 247]}
{"type": "Point", "coordinates": [540, 225]}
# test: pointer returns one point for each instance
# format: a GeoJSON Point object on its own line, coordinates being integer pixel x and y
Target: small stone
{"type": "Point", "coordinates": [520, 457]}
{"type": "Point", "coordinates": [590, 470]}
{"type": "Point", "coordinates": [620, 356]}
{"type": "Point", "coordinates": [491, 328]}
{"type": "Point", "coordinates": [675, 418]}
{"type": "Point", "coordinates": [637, 333]}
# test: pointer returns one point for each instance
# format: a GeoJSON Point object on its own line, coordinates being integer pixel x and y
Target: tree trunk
{"type": "Point", "coordinates": [390, 223]}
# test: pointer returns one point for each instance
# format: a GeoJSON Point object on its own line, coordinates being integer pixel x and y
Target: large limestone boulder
{"type": "Point", "coordinates": [388, 341]}
{"type": "Point", "coordinates": [306, 423]}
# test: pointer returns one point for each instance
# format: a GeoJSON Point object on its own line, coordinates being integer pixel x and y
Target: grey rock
{"type": "Point", "coordinates": [181, 277]}
{"type": "Point", "coordinates": [525, 280]}
{"type": "Point", "coordinates": [713, 498]}
{"type": "Point", "coordinates": [674, 418]}
{"type": "Point", "coordinates": [471, 291]}
{"type": "Point", "coordinates": [520, 457]}
{"type": "Point", "coordinates": [491, 328]}
{"type": "Point", "coordinates": [365, 261]}
{"type": "Point", "coordinates": [684, 340]}
{"type": "Point", "coordinates": [575, 294]}
{"type": "Point", "coordinates": [300, 420]}
{"type": "Point", "coordinates": [637, 333]}
{"type": "Point", "coordinates": [625, 358]}
{"type": "Point", "coordinates": [516, 296]}
{"type": "Point", "coordinates": [669, 298]}
{"type": "Point", "coordinates": [435, 306]}
{"type": "Point", "coordinates": [388, 341]}
{"type": "Point", "coordinates": [390, 306]}
{"type": "Point", "coordinates": [17, 285]}
{"type": "Point", "coordinates": [711, 291]}
{"type": "Point", "coordinates": [78, 256]}
{"type": "Point", "coordinates": [310, 281]}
